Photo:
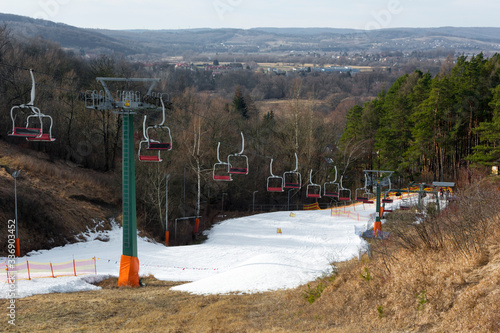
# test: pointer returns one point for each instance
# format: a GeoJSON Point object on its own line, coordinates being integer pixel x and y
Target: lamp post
{"type": "Point", "coordinates": [184, 193]}
{"type": "Point", "coordinates": [15, 174]}
{"type": "Point", "coordinates": [253, 201]}
{"type": "Point", "coordinates": [223, 201]}
{"type": "Point", "coordinates": [167, 234]}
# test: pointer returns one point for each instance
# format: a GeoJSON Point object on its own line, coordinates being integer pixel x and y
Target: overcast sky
{"type": "Point", "coordinates": [182, 14]}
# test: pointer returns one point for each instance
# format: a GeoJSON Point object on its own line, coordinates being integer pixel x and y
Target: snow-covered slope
{"type": "Point", "coordinates": [243, 255]}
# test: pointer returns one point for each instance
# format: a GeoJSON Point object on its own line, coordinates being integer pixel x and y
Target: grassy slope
{"type": "Point", "coordinates": [55, 200]}
{"type": "Point", "coordinates": [401, 288]}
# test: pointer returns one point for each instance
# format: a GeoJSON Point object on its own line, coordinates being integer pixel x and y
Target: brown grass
{"type": "Point", "coordinates": [399, 289]}
{"type": "Point", "coordinates": [56, 200]}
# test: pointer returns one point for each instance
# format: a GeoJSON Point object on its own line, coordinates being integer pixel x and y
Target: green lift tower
{"type": "Point", "coordinates": [126, 103]}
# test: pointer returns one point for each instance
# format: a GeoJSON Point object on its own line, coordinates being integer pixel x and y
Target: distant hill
{"type": "Point", "coordinates": [65, 35]}
{"type": "Point", "coordinates": [155, 44]}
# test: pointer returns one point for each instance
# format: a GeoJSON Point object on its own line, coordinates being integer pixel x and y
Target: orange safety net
{"type": "Point", "coordinates": [129, 271]}
{"type": "Point", "coordinates": [314, 206]}
{"type": "Point", "coordinates": [28, 270]}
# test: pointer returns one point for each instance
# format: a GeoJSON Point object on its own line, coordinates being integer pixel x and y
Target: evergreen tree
{"type": "Point", "coordinates": [239, 103]}
{"type": "Point", "coordinates": [488, 151]}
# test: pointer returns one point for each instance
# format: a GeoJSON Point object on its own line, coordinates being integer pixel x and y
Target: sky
{"type": "Point", "coordinates": [245, 14]}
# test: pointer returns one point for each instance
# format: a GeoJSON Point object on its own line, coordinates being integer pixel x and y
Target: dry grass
{"type": "Point", "coordinates": [399, 289]}
{"type": "Point", "coordinates": [56, 200]}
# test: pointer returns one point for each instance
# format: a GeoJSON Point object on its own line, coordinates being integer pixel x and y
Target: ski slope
{"type": "Point", "coordinates": [242, 255]}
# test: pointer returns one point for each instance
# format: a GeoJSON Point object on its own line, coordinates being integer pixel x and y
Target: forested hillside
{"type": "Point", "coordinates": [429, 127]}
{"type": "Point", "coordinates": [423, 127]}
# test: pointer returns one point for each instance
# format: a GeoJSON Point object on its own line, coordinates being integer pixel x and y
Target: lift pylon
{"type": "Point", "coordinates": [125, 103]}
{"type": "Point", "coordinates": [379, 179]}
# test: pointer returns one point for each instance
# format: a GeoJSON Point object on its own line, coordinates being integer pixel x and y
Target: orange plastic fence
{"type": "Point", "coordinates": [314, 206]}
{"type": "Point", "coordinates": [28, 270]}
{"type": "Point", "coordinates": [350, 215]}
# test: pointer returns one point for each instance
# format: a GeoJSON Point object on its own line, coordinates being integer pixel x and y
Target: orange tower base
{"type": "Point", "coordinates": [167, 236]}
{"type": "Point", "coordinates": [377, 227]}
{"type": "Point", "coordinates": [129, 271]}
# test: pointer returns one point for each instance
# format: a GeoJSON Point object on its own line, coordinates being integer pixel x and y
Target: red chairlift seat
{"type": "Point", "coordinates": [238, 162]}
{"type": "Point", "coordinates": [274, 183]}
{"type": "Point", "coordinates": [43, 137]}
{"type": "Point", "coordinates": [331, 194]}
{"type": "Point", "coordinates": [275, 189]}
{"type": "Point", "coordinates": [160, 138]}
{"type": "Point", "coordinates": [292, 185]}
{"type": "Point", "coordinates": [25, 132]}
{"type": "Point", "coordinates": [313, 190]}
{"type": "Point", "coordinates": [331, 189]}
{"type": "Point", "coordinates": [344, 193]}
{"type": "Point", "coordinates": [30, 132]}
{"type": "Point", "coordinates": [387, 200]}
{"type": "Point", "coordinates": [149, 158]}
{"type": "Point", "coordinates": [222, 177]}
{"type": "Point", "coordinates": [143, 145]}
{"type": "Point", "coordinates": [292, 179]}
{"type": "Point", "coordinates": [219, 172]}
{"type": "Point", "coordinates": [159, 146]}
{"type": "Point", "coordinates": [238, 171]}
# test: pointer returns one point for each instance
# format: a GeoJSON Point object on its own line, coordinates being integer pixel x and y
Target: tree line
{"type": "Point", "coordinates": [428, 127]}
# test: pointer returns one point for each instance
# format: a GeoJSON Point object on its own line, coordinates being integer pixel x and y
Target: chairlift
{"type": "Point", "coordinates": [32, 131]}
{"type": "Point", "coordinates": [144, 147]}
{"type": "Point", "coordinates": [313, 190]}
{"type": "Point", "coordinates": [386, 200]}
{"type": "Point", "coordinates": [364, 195]}
{"type": "Point", "coordinates": [344, 193]}
{"type": "Point", "coordinates": [405, 203]}
{"type": "Point", "coordinates": [159, 136]}
{"type": "Point", "coordinates": [331, 189]}
{"type": "Point", "coordinates": [274, 183]}
{"type": "Point", "coordinates": [238, 163]}
{"type": "Point", "coordinates": [292, 178]}
{"type": "Point", "coordinates": [220, 170]}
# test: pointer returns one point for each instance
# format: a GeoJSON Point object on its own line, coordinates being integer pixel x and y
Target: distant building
{"type": "Point", "coordinates": [337, 69]}
{"type": "Point", "coordinates": [183, 65]}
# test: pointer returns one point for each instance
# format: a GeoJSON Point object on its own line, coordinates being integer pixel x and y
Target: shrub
{"type": "Point", "coordinates": [313, 293]}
